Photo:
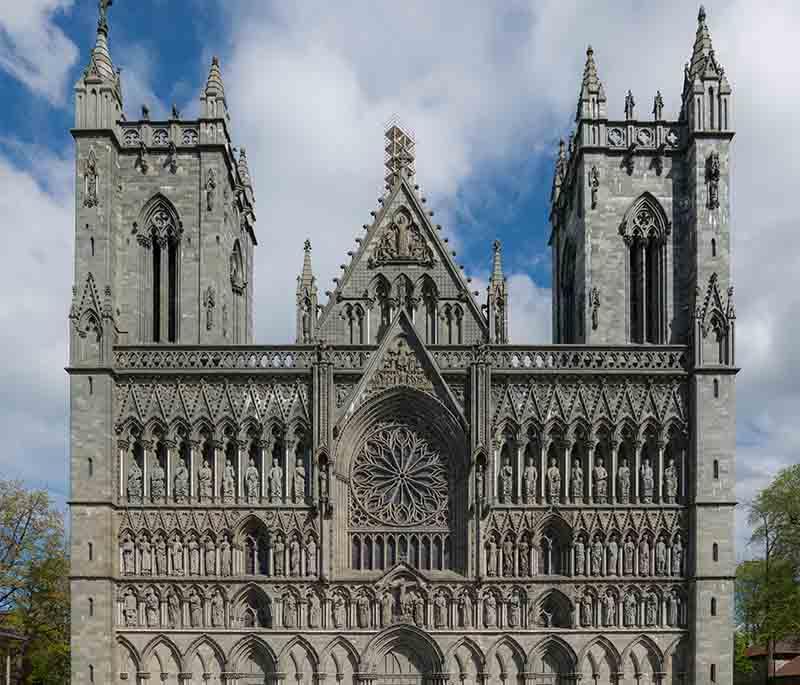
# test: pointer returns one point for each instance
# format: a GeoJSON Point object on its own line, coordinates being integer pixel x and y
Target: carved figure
{"type": "Point", "coordinates": [151, 607]}
{"type": "Point", "coordinates": [508, 557]}
{"type": "Point", "coordinates": [211, 189]}
{"type": "Point", "coordinates": [311, 557]}
{"type": "Point", "coordinates": [225, 557]}
{"type": "Point", "coordinates": [677, 557]}
{"type": "Point", "coordinates": [252, 482]}
{"type": "Point", "coordinates": [299, 482]}
{"type": "Point", "coordinates": [479, 489]}
{"type": "Point", "coordinates": [661, 557]}
{"type": "Point", "coordinates": [644, 558]}
{"type": "Point", "coordinates": [554, 482]}
{"type": "Point", "coordinates": [600, 478]}
{"type": "Point", "coordinates": [712, 178]}
{"type": "Point", "coordinates": [289, 612]}
{"type": "Point", "coordinates": [195, 609]}
{"type": "Point", "coordinates": [134, 482]}
{"type": "Point", "coordinates": [338, 612]}
{"type": "Point", "coordinates": [387, 609]}
{"type": "Point", "coordinates": [580, 557]}
{"type": "Point", "coordinates": [181, 482]}
{"type": "Point", "coordinates": [90, 197]}
{"type": "Point", "coordinates": [217, 611]}
{"type": "Point", "coordinates": [313, 612]}
{"type": "Point", "coordinates": [670, 482]}
{"type": "Point", "coordinates": [577, 481]}
{"type": "Point", "coordinates": [229, 482]}
{"type": "Point", "coordinates": [491, 558]}
{"type": "Point", "coordinates": [609, 609]}
{"type": "Point", "coordinates": [362, 611]}
{"type": "Point", "coordinates": [524, 565]}
{"type": "Point", "coordinates": [586, 611]}
{"type": "Point", "coordinates": [514, 611]}
{"type": "Point", "coordinates": [647, 481]}
{"type": "Point", "coordinates": [279, 550]}
{"type": "Point", "coordinates": [490, 611]}
{"type": "Point", "coordinates": [146, 557]}
{"type": "Point", "coordinates": [630, 553]}
{"type": "Point", "coordinates": [177, 557]}
{"type": "Point", "coordinates": [161, 556]}
{"type": "Point", "coordinates": [529, 478]}
{"type": "Point", "coordinates": [205, 479]}
{"type": "Point", "coordinates": [651, 609]}
{"type": "Point", "coordinates": [594, 184]}
{"type": "Point", "coordinates": [323, 481]}
{"type": "Point", "coordinates": [624, 479]}
{"type": "Point", "coordinates": [194, 557]}
{"type": "Point", "coordinates": [672, 609]}
{"type": "Point", "coordinates": [128, 565]}
{"type": "Point", "coordinates": [294, 558]}
{"type": "Point", "coordinates": [130, 610]}
{"type": "Point", "coordinates": [629, 608]}
{"type": "Point", "coordinates": [211, 557]}
{"type": "Point", "coordinates": [275, 482]}
{"type": "Point", "coordinates": [597, 557]}
{"type": "Point", "coordinates": [440, 611]}
{"type": "Point", "coordinates": [157, 482]}
{"type": "Point", "coordinates": [613, 553]}
{"type": "Point", "coordinates": [506, 482]}
{"type": "Point", "coordinates": [465, 611]}
{"type": "Point", "coordinates": [173, 610]}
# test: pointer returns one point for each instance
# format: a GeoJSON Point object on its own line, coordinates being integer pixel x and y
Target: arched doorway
{"type": "Point", "coordinates": [402, 655]}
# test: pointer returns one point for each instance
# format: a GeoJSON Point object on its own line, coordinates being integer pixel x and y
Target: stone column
{"type": "Point", "coordinates": [163, 245]}
{"type": "Point", "coordinates": [591, 447]}
{"type": "Point", "coordinates": [613, 473]}
{"type": "Point", "coordinates": [192, 471]}
{"type": "Point", "coordinates": [240, 494]}
{"type": "Point", "coordinates": [170, 453]}
{"type": "Point", "coordinates": [566, 479]}
{"type": "Point", "coordinates": [122, 448]}
{"type": "Point", "coordinates": [520, 469]}
{"type": "Point", "coordinates": [659, 476]}
{"type": "Point", "coordinates": [545, 444]}
{"type": "Point", "coordinates": [146, 448]}
{"type": "Point", "coordinates": [216, 495]}
{"type": "Point", "coordinates": [636, 476]}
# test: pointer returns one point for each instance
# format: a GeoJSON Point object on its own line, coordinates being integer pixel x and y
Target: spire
{"type": "Point", "coordinates": [307, 276]}
{"type": "Point", "coordinates": [100, 63]}
{"type": "Point", "coordinates": [497, 263]}
{"type": "Point", "coordinates": [592, 99]}
{"type": "Point", "coordinates": [399, 155]}
{"type": "Point", "coordinates": [702, 45]}
{"type": "Point", "coordinates": [244, 170]}
{"type": "Point", "coordinates": [306, 300]}
{"type": "Point", "coordinates": [214, 85]}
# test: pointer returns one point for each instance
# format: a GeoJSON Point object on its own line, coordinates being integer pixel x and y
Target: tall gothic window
{"type": "Point", "coordinates": [645, 230]}
{"type": "Point", "coordinates": [430, 299]}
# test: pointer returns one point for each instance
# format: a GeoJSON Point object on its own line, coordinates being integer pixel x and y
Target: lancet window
{"type": "Point", "coordinates": [238, 288]}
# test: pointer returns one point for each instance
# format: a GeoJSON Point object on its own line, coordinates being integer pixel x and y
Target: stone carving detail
{"type": "Point", "coordinates": [229, 482]}
{"type": "Point", "coordinates": [399, 477]}
{"type": "Point", "coordinates": [181, 483]}
{"type": "Point", "coordinates": [712, 179]}
{"type": "Point", "coordinates": [402, 242]}
{"type": "Point", "coordinates": [211, 189]}
{"type": "Point", "coordinates": [299, 483]}
{"type": "Point", "coordinates": [647, 481]}
{"type": "Point", "coordinates": [400, 367]}
{"type": "Point", "coordinates": [506, 481]}
{"type": "Point", "coordinates": [529, 478]}
{"type": "Point", "coordinates": [670, 482]}
{"type": "Point", "coordinates": [594, 184]}
{"type": "Point", "coordinates": [158, 479]}
{"type": "Point", "coordinates": [205, 478]}
{"type": "Point", "coordinates": [600, 480]}
{"type": "Point", "coordinates": [90, 195]}
{"type": "Point", "coordinates": [141, 158]}
{"type": "Point", "coordinates": [594, 300]}
{"type": "Point", "coordinates": [134, 482]}
{"type": "Point", "coordinates": [553, 482]}
{"type": "Point", "coordinates": [275, 482]}
{"type": "Point", "coordinates": [624, 478]}
{"type": "Point", "coordinates": [252, 482]}
{"type": "Point", "coordinates": [577, 482]}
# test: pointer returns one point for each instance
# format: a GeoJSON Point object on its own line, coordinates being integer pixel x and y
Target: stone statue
{"type": "Point", "coordinates": [629, 607]}
{"type": "Point", "coordinates": [630, 553]}
{"type": "Point", "coordinates": [205, 478]}
{"type": "Point", "coordinates": [278, 551]}
{"type": "Point", "coordinates": [672, 609]}
{"type": "Point", "coordinates": [580, 557]}
{"type": "Point", "coordinates": [514, 610]}
{"type": "Point", "coordinates": [644, 558]}
{"type": "Point", "coordinates": [677, 557]}
{"type": "Point", "coordinates": [195, 609]}
{"type": "Point", "coordinates": [508, 557]}
{"type": "Point", "coordinates": [217, 611]}
{"type": "Point", "coordinates": [177, 557]}
{"type": "Point", "coordinates": [506, 482]}
{"type": "Point", "coordinates": [158, 480]}
{"type": "Point", "coordinates": [362, 611]}
{"type": "Point", "coordinates": [152, 608]}
{"type": "Point", "coordinates": [553, 482]}
{"type": "Point", "coordinates": [299, 482]}
{"type": "Point", "coordinates": [252, 482]}
{"type": "Point", "coordinates": [194, 557]}
{"type": "Point", "coordinates": [311, 557]}
{"type": "Point", "coordinates": [128, 565]}
{"type": "Point", "coordinates": [338, 612]}
{"type": "Point", "coordinates": [491, 558]}
{"type": "Point", "coordinates": [597, 557]}
{"type": "Point", "coordinates": [229, 482]}
{"type": "Point", "coordinates": [586, 611]}
{"type": "Point", "coordinates": [419, 612]}
{"type": "Point", "coordinates": [294, 558]}
{"type": "Point", "coordinates": [134, 482]}
{"type": "Point", "coordinates": [161, 556]}
{"type": "Point", "coordinates": [387, 609]}
{"type": "Point", "coordinates": [289, 612]}
{"type": "Point", "coordinates": [225, 557]}
{"type": "Point", "coordinates": [173, 610]}
{"type": "Point", "coordinates": [313, 612]}
{"type": "Point", "coordinates": [131, 610]}
{"type": "Point", "coordinates": [651, 609]}
{"type": "Point", "coordinates": [479, 485]}
{"type": "Point", "coordinates": [275, 482]}
{"type": "Point", "coordinates": [661, 557]}
{"type": "Point", "coordinates": [609, 609]}
{"type": "Point", "coordinates": [211, 557]}
{"type": "Point", "coordinates": [323, 481]}
{"type": "Point", "coordinates": [465, 611]}
{"type": "Point", "coordinates": [600, 478]}
{"type": "Point", "coordinates": [670, 482]}
{"type": "Point", "coordinates": [613, 553]}
{"type": "Point", "coordinates": [577, 481]}
{"type": "Point", "coordinates": [181, 482]}
{"type": "Point", "coordinates": [647, 481]}
{"type": "Point", "coordinates": [490, 611]}
{"type": "Point", "coordinates": [146, 557]}
{"type": "Point", "coordinates": [624, 478]}
{"type": "Point", "coordinates": [524, 565]}
{"type": "Point", "coordinates": [440, 611]}
{"type": "Point", "coordinates": [529, 478]}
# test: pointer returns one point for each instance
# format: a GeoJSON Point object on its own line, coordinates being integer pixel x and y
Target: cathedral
{"type": "Point", "coordinates": [403, 495]}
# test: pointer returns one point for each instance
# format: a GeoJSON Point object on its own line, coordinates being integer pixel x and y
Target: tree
{"type": "Point", "coordinates": [775, 515]}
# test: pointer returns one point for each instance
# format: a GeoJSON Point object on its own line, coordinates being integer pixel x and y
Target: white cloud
{"type": "Point", "coordinates": [34, 49]}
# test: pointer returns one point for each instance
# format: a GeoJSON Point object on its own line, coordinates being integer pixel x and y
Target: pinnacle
{"type": "Point", "coordinates": [244, 169]}
{"type": "Point", "coordinates": [497, 263]}
{"type": "Point", "coordinates": [591, 80]}
{"type": "Point", "coordinates": [100, 62]}
{"type": "Point", "coordinates": [214, 83]}
{"type": "Point", "coordinates": [307, 275]}
{"type": "Point", "coordinates": [702, 45]}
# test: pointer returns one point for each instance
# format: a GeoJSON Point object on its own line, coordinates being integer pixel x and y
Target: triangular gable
{"type": "Point", "coordinates": [401, 572]}
{"type": "Point", "coordinates": [402, 360]}
{"type": "Point", "coordinates": [401, 240]}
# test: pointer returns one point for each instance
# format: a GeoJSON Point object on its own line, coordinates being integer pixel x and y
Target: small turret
{"type": "Point", "coordinates": [497, 301]}
{"type": "Point", "coordinates": [592, 100]}
{"type": "Point", "coordinates": [214, 105]}
{"type": "Point", "coordinates": [306, 301]}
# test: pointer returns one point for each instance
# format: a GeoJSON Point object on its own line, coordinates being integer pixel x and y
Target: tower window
{"type": "Point", "coordinates": [716, 389]}
{"type": "Point", "coordinates": [715, 552]}
{"type": "Point", "coordinates": [91, 552]}
{"type": "Point", "coordinates": [91, 242]}
{"type": "Point", "coordinates": [716, 469]}
{"type": "Point", "coordinates": [91, 673]}
{"type": "Point", "coordinates": [713, 606]}
{"type": "Point", "coordinates": [713, 247]}
{"type": "Point", "coordinates": [91, 385]}
{"type": "Point", "coordinates": [713, 673]}
{"type": "Point", "coordinates": [91, 607]}
{"type": "Point", "coordinates": [90, 466]}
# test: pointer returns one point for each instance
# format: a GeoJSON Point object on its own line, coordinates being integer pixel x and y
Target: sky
{"type": "Point", "coordinates": [486, 88]}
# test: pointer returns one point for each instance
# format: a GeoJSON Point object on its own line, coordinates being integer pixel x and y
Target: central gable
{"type": "Point", "coordinates": [402, 263]}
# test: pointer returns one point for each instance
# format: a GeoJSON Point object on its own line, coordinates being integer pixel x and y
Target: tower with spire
{"type": "Point", "coordinates": [497, 300]}
{"type": "Point", "coordinates": [306, 301]}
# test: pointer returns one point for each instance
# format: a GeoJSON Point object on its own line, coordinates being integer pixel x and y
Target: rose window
{"type": "Point", "coordinates": [399, 478]}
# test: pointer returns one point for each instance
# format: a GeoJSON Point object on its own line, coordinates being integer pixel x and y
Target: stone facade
{"type": "Point", "coordinates": [402, 495]}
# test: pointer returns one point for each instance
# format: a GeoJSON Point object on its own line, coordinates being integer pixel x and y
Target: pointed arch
{"type": "Point", "coordinates": [301, 643]}
{"type": "Point", "coordinates": [642, 645]}
{"type": "Point", "coordinates": [410, 637]}
{"type": "Point", "coordinates": [552, 654]}
{"type": "Point", "coordinates": [254, 653]}
{"type": "Point", "coordinates": [129, 656]}
{"type": "Point", "coordinates": [152, 649]}
{"type": "Point", "coordinates": [89, 337]}
{"type": "Point", "coordinates": [498, 653]}
{"type": "Point", "coordinates": [472, 647]}
{"type": "Point", "coordinates": [340, 643]}
{"type": "Point", "coordinates": [194, 649]}
{"type": "Point", "coordinates": [603, 643]}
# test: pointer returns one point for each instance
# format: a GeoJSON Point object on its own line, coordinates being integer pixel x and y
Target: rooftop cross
{"type": "Point", "coordinates": [399, 155]}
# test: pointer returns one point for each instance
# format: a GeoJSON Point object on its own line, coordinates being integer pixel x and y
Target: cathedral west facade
{"type": "Point", "coordinates": [403, 495]}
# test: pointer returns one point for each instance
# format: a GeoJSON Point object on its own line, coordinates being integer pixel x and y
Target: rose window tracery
{"type": "Point", "coordinates": [399, 478]}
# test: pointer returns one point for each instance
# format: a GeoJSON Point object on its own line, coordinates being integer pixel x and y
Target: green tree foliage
{"type": "Point", "coordinates": [34, 582]}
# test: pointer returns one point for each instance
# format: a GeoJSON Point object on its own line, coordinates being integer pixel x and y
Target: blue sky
{"type": "Point", "coordinates": [486, 88]}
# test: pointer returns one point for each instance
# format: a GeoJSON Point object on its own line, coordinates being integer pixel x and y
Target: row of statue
{"type": "Point", "coordinates": [205, 483]}
{"type": "Point", "coordinates": [609, 558]}
{"type": "Point", "coordinates": [208, 557]}
{"type": "Point", "coordinates": [600, 491]}
{"type": "Point", "coordinates": [633, 609]}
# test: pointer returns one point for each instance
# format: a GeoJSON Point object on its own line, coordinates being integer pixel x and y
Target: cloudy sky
{"type": "Point", "coordinates": [487, 88]}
